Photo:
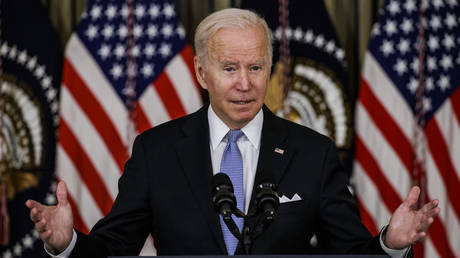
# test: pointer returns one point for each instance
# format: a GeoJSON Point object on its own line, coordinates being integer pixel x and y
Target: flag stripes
{"type": "Point", "coordinates": [95, 125]}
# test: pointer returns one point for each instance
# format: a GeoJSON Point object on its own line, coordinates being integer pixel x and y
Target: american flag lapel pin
{"type": "Point", "coordinates": [279, 151]}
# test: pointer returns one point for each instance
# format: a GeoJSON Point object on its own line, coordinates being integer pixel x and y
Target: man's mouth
{"type": "Point", "coordinates": [241, 102]}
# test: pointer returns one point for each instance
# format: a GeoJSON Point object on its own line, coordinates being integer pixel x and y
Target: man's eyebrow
{"type": "Point", "coordinates": [228, 62]}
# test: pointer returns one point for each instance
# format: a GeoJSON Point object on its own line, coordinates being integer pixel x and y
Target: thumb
{"type": "Point", "coordinates": [61, 193]}
{"type": "Point", "coordinates": [412, 196]}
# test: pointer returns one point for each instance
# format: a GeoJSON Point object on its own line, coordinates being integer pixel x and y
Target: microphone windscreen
{"type": "Point", "coordinates": [221, 179]}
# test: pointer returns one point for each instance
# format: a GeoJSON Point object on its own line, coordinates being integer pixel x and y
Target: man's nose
{"type": "Point", "coordinates": [244, 82]}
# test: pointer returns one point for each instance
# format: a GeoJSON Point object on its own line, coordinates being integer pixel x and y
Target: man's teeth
{"type": "Point", "coordinates": [241, 102]}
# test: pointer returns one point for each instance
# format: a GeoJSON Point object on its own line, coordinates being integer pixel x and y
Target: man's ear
{"type": "Point", "coordinates": [200, 72]}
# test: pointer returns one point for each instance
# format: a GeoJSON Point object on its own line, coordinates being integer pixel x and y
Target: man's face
{"type": "Point", "coordinates": [237, 74]}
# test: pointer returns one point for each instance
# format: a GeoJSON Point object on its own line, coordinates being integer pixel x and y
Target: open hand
{"type": "Point", "coordinates": [53, 223]}
{"type": "Point", "coordinates": [408, 225]}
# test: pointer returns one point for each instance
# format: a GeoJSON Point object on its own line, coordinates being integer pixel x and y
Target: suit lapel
{"type": "Point", "coordinates": [195, 157]}
{"type": "Point", "coordinates": [274, 155]}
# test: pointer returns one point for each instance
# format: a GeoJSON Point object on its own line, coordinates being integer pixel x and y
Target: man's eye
{"type": "Point", "coordinates": [255, 68]}
{"type": "Point", "coordinates": [229, 69]}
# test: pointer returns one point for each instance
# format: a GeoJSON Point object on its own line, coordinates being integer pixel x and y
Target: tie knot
{"type": "Point", "coordinates": [234, 135]}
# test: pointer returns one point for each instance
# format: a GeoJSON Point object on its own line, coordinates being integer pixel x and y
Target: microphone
{"type": "Point", "coordinates": [224, 201]}
{"type": "Point", "coordinates": [267, 200]}
{"type": "Point", "coordinates": [222, 195]}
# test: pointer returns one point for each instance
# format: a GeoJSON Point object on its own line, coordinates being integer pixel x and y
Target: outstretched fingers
{"type": "Point", "coordinates": [412, 196]}
{"type": "Point", "coordinates": [61, 193]}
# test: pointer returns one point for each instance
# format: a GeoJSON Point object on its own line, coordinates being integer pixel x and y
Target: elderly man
{"type": "Point", "coordinates": [166, 187]}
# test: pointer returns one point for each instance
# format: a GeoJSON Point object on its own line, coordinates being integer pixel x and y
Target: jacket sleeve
{"type": "Point", "coordinates": [341, 226]}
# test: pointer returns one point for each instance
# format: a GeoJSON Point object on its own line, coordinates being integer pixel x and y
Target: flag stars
{"type": "Point", "coordinates": [167, 30]}
{"type": "Point", "coordinates": [107, 32]}
{"type": "Point", "coordinates": [431, 63]}
{"type": "Point", "coordinates": [387, 48]}
{"type": "Point", "coordinates": [425, 4]}
{"type": "Point", "coordinates": [180, 31]}
{"type": "Point", "coordinates": [168, 11]}
{"type": "Point", "coordinates": [95, 12]}
{"type": "Point", "coordinates": [437, 4]}
{"type": "Point", "coordinates": [414, 65]}
{"type": "Point", "coordinates": [406, 26]}
{"type": "Point", "coordinates": [139, 11]}
{"type": "Point", "coordinates": [403, 46]}
{"type": "Point", "coordinates": [149, 50]}
{"type": "Point", "coordinates": [376, 29]}
{"type": "Point", "coordinates": [154, 11]}
{"type": "Point", "coordinates": [435, 22]}
{"type": "Point", "coordinates": [409, 5]}
{"type": "Point", "coordinates": [452, 3]}
{"type": "Point", "coordinates": [91, 32]}
{"type": "Point", "coordinates": [443, 82]}
{"type": "Point", "coordinates": [35, 233]}
{"type": "Point", "coordinates": [152, 31]}
{"type": "Point", "coordinates": [135, 51]}
{"type": "Point", "coordinates": [111, 12]}
{"type": "Point", "coordinates": [104, 51]}
{"type": "Point", "coordinates": [27, 241]}
{"type": "Point", "coordinates": [116, 71]}
{"type": "Point", "coordinates": [17, 250]}
{"type": "Point", "coordinates": [137, 32]}
{"type": "Point", "coordinates": [426, 104]}
{"type": "Point", "coordinates": [400, 67]}
{"type": "Point", "coordinates": [446, 62]}
{"type": "Point", "coordinates": [390, 27]}
{"type": "Point", "coordinates": [122, 31]}
{"type": "Point", "coordinates": [147, 70]}
{"type": "Point", "coordinates": [413, 85]}
{"type": "Point", "coordinates": [433, 43]}
{"type": "Point", "coordinates": [165, 50]}
{"type": "Point", "coordinates": [450, 21]}
{"type": "Point", "coordinates": [7, 254]}
{"type": "Point", "coordinates": [124, 11]}
{"type": "Point", "coordinates": [393, 7]}
{"type": "Point", "coordinates": [448, 41]}
{"type": "Point", "coordinates": [119, 51]}
{"type": "Point", "coordinates": [429, 84]}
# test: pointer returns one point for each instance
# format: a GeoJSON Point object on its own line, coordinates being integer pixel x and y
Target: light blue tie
{"type": "Point", "coordinates": [232, 165]}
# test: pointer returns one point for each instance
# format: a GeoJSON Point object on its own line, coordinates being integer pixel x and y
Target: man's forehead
{"type": "Point", "coordinates": [229, 44]}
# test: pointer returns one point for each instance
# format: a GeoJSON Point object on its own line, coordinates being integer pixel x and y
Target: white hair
{"type": "Point", "coordinates": [228, 18]}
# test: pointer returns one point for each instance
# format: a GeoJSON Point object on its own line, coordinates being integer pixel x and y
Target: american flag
{"type": "Point", "coordinates": [96, 124]}
{"type": "Point", "coordinates": [408, 118]}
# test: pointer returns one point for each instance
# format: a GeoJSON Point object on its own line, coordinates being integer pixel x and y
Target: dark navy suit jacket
{"type": "Point", "coordinates": [165, 190]}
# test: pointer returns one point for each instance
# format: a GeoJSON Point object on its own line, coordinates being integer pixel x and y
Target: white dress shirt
{"type": "Point", "coordinates": [249, 146]}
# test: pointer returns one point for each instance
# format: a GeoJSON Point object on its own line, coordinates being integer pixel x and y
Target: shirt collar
{"type": "Point", "coordinates": [218, 129]}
